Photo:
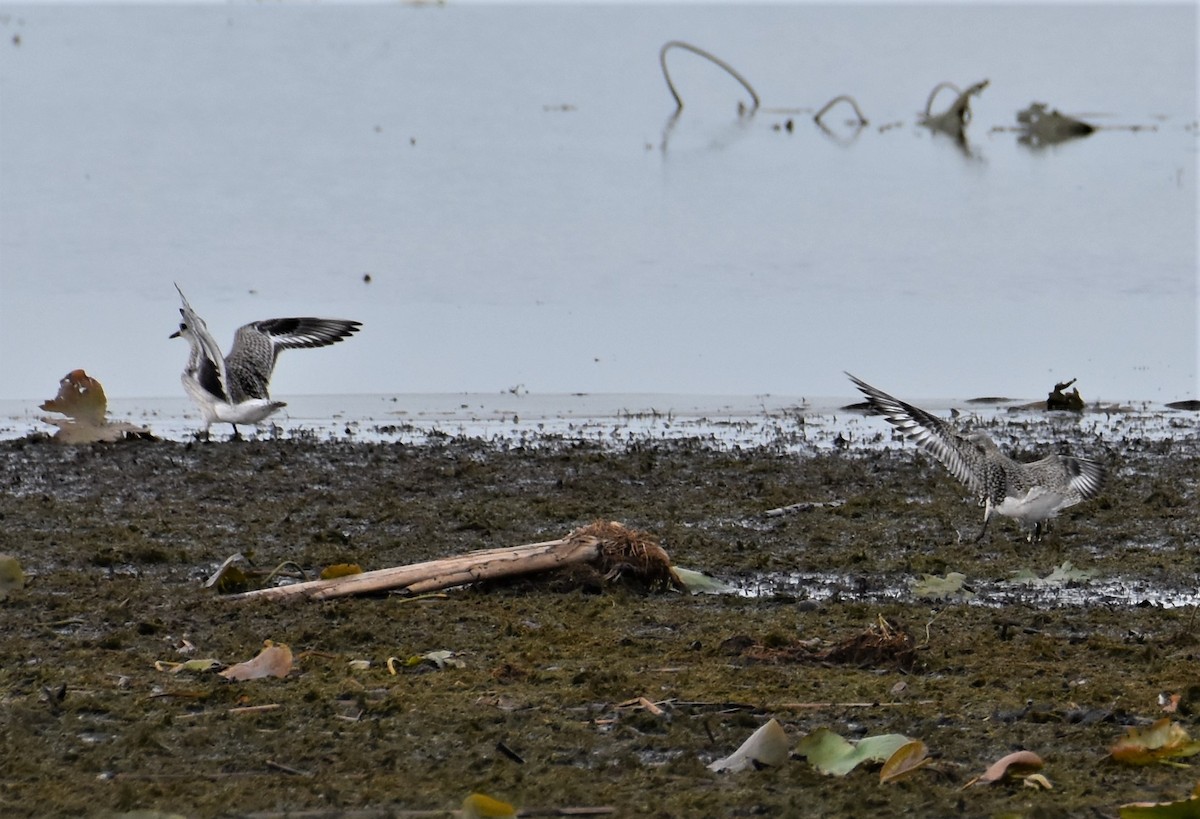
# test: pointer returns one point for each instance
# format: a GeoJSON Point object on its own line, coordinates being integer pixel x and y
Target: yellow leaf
{"type": "Point", "coordinates": [340, 570]}
{"type": "Point", "coordinates": [907, 758]}
{"type": "Point", "coordinates": [1160, 741]}
{"type": "Point", "coordinates": [482, 806]}
{"type": "Point", "coordinates": [1037, 781]}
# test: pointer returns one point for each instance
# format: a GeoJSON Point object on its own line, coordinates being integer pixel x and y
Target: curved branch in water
{"type": "Point", "coordinates": [662, 61]}
{"type": "Point", "coordinates": [842, 98]}
{"type": "Point", "coordinates": [934, 93]}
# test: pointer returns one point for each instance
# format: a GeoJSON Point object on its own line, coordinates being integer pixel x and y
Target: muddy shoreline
{"type": "Point", "coordinates": [117, 540]}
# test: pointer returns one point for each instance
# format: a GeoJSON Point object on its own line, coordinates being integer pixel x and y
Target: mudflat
{"type": "Point", "coordinates": [538, 702]}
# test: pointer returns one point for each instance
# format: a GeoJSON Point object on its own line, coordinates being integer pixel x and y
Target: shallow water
{"type": "Point", "coordinates": [791, 423]}
{"type": "Point", "coordinates": [528, 222]}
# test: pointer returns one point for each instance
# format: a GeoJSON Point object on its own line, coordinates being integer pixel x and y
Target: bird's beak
{"type": "Point", "coordinates": [174, 334]}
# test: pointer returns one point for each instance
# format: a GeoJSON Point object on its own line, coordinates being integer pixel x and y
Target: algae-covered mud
{"type": "Point", "coordinates": [572, 691]}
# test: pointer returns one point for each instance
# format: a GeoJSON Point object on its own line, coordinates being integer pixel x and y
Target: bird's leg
{"type": "Point", "coordinates": [1038, 531]}
{"type": "Point", "coordinates": [237, 436]}
{"type": "Point", "coordinates": [987, 514]}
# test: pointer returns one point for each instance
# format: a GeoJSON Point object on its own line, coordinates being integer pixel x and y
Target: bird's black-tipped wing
{"type": "Point", "coordinates": [934, 435]}
{"type": "Point", "coordinates": [256, 345]}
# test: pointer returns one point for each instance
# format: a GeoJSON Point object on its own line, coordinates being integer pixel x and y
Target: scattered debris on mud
{"type": "Point", "coordinates": [568, 691]}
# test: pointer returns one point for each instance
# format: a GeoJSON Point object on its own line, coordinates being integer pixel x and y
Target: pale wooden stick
{"type": "Point", "coordinates": [608, 545]}
{"type": "Point", "coordinates": [459, 571]}
{"type": "Point", "coordinates": [477, 565]}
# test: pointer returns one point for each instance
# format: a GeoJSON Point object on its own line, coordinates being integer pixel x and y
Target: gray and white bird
{"type": "Point", "coordinates": [233, 389]}
{"type": "Point", "coordinates": [1032, 493]}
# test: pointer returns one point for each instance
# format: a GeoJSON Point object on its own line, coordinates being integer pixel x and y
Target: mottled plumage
{"type": "Point", "coordinates": [233, 389]}
{"type": "Point", "coordinates": [1031, 492]}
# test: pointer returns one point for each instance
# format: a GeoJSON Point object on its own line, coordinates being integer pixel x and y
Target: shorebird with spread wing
{"type": "Point", "coordinates": [1031, 492]}
{"type": "Point", "coordinates": [233, 389]}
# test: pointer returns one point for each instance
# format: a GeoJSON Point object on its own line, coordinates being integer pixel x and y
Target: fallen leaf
{"type": "Point", "coordinates": [81, 398]}
{"type": "Point", "coordinates": [1061, 576]}
{"type": "Point", "coordinates": [766, 747]}
{"type": "Point", "coordinates": [933, 587]}
{"type": "Point", "coordinates": [441, 659]}
{"type": "Point", "coordinates": [12, 578]}
{"type": "Point", "coordinates": [340, 570]}
{"type": "Point", "coordinates": [482, 806]}
{"type": "Point", "coordinates": [275, 660]}
{"type": "Point", "coordinates": [700, 583]}
{"type": "Point", "coordinates": [1168, 702]}
{"type": "Point", "coordinates": [909, 757]}
{"type": "Point", "coordinates": [832, 754]}
{"type": "Point", "coordinates": [194, 666]}
{"type": "Point", "coordinates": [1018, 763]}
{"type": "Point", "coordinates": [1037, 781]}
{"type": "Point", "coordinates": [1161, 741]}
{"type": "Point", "coordinates": [228, 577]}
{"type": "Point", "coordinates": [1183, 809]}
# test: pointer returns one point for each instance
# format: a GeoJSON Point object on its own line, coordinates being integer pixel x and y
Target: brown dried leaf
{"type": "Point", "coordinates": [80, 397]}
{"type": "Point", "coordinates": [1018, 763]}
{"type": "Point", "coordinates": [275, 660]}
{"type": "Point", "coordinates": [1162, 740]}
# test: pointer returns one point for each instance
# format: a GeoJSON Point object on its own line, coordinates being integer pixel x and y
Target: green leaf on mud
{"type": "Point", "coordinates": [11, 577]}
{"type": "Point", "coordinates": [950, 587]}
{"type": "Point", "coordinates": [1061, 576]}
{"type": "Point", "coordinates": [830, 753]}
{"type": "Point", "coordinates": [701, 583]}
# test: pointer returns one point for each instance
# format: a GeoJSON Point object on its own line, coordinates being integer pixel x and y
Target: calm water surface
{"type": "Point", "coordinates": [507, 178]}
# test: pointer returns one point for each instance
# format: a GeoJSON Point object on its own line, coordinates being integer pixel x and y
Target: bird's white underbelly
{"type": "Point", "coordinates": [214, 409]}
{"type": "Point", "coordinates": [1035, 505]}
{"type": "Point", "coordinates": [247, 412]}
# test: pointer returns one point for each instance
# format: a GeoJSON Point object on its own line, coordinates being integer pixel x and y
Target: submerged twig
{"type": "Point", "coordinates": [933, 94]}
{"type": "Point", "coordinates": [955, 118]}
{"type": "Point", "coordinates": [841, 98]}
{"type": "Point", "coordinates": [662, 60]}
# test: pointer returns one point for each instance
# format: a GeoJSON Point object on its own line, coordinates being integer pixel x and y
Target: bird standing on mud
{"type": "Point", "coordinates": [1031, 492]}
{"type": "Point", "coordinates": [233, 389]}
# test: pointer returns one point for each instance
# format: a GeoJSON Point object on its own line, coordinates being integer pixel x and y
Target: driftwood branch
{"type": "Point", "coordinates": [662, 61]}
{"type": "Point", "coordinates": [610, 547]}
{"type": "Point", "coordinates": [841, 98]}
{"type": "Point", "coordinates": [955, 118]}
{"type": "Point", "coordinates": [804, 506]}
